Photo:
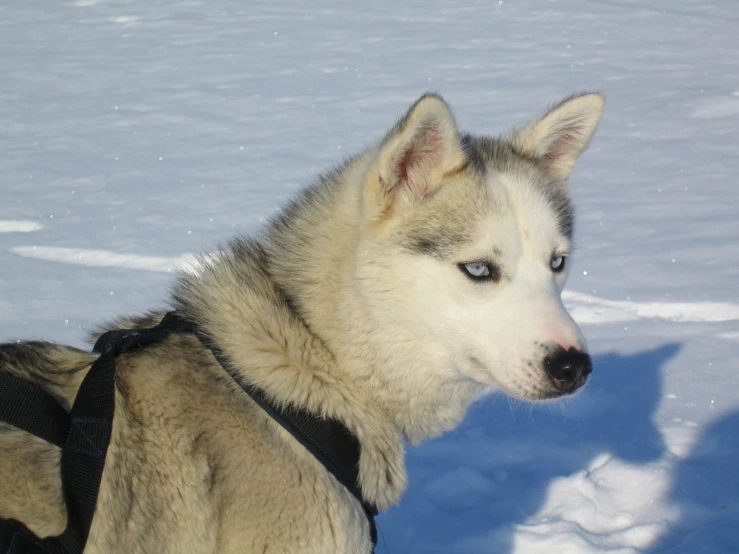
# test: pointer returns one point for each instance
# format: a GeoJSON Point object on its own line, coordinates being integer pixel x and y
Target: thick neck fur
{"type": "Point", "coordinates": [285, 310]}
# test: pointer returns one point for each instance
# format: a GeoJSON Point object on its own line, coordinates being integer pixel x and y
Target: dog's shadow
{"type": "Point", "coordinates": [470, 488]}
{"type": "Point", "coordinates": [705, 489]}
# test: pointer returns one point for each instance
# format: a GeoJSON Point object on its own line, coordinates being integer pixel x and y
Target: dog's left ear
{"type": "Point", "coordinates": [415, 156]}
{"type": "Point", "coordinates": [557, 139]}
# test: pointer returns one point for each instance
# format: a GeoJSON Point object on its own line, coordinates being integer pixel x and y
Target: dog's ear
{"type": "Point", "coordinates": [417, 153]}
{"type": "Point", "coordinates": [557, 139]}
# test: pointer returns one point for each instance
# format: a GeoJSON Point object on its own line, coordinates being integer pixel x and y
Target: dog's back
{"type": "Point", "coordinates": [192, 466]}
{"type": "Point", "coordinates": [30, 483]}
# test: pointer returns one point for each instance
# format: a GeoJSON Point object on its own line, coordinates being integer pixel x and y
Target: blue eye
{"type": "Point", "coordinates": [557, 263]}
{"type": "Point", "coordinates": [481, 271]}
{"type": "Point", "coordinates": [478, 271]}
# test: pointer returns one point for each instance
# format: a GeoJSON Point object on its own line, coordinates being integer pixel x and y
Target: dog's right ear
{"type": "Point", "coordinates": [415, 156]}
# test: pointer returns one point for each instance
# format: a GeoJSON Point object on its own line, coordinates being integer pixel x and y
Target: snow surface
{"type": "Point", "coordinates": [135, 133]}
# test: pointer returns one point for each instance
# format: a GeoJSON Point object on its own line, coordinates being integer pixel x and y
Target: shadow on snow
{"type": "Point", "coordinates": [706, 490]}
{"type": "Point", "coordinates": [495, 470]}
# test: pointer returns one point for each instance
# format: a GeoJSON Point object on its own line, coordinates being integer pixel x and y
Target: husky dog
{"type": "Point", "coordinates": [398, 288]}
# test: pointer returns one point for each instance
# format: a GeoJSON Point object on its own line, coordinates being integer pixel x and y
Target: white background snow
{"type": "Point", "coordinates": [135, 133]}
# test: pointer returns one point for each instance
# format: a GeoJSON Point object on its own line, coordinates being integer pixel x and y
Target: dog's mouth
{"type": "Point", "coordinates": [526, 386]}
{"type": "Point", "coordinates": [545, 384]}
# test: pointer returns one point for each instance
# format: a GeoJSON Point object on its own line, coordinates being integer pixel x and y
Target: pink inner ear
{"type": "Point", "coordinates": [564, 142]}
{"type": "Point", "coordinates": [405, 165]}
{"type": "Point", "coordinates": [563, 149]}
{"type": "Point", "coordinates": [424, 153]}
{"type": "Point", "coordinates": [552, 157]}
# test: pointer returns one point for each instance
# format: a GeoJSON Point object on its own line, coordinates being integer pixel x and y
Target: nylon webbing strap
{"type": "Point", "coordinates": [83, 455]}
{"type": "Point", "coordinates": [27, 406]}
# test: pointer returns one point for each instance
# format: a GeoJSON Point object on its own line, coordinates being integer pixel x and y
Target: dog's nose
{"type": "Point", "coordinates": [569, 370]}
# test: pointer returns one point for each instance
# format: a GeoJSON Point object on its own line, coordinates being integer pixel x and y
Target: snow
{"type": "Point", "coordinates": [11, 226]}
{"type": "Point", "coordinates": [134, 134]}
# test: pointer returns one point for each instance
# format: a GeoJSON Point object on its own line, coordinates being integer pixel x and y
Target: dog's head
{"type": "Point", "coordinates": [466, 244]}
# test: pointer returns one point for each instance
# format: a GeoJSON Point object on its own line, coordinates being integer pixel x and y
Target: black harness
{"type": "Point", "coordinates": [84, 434]}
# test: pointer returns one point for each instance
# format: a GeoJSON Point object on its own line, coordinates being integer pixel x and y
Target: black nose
{"type": "Point", "coordinates": [569, 370]}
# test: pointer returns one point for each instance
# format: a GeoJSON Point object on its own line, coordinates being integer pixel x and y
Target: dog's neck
{"type": "Point", "coordinates": [311, 253]}
{"type": "Point", "coordinates": [238, 305]}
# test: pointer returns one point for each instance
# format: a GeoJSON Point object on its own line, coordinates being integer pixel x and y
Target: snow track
{"type": "Point", "coordinates": [103, 258]}
{"type": "Point", "coordinates": [14, 226]}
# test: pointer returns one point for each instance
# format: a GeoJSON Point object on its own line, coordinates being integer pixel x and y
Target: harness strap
{"type": "Point", "coordinates": [85, 433]}
{"type": "Point", "coordinates": [30, 408]}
